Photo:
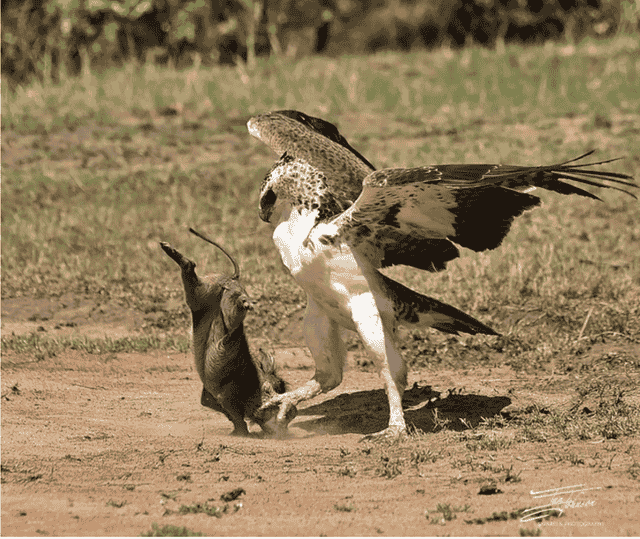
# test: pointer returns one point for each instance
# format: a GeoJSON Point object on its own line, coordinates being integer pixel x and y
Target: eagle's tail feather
{"type": "Point", "coordinates": [413, 308]}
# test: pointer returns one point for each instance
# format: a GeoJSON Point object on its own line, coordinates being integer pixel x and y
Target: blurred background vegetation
{"type": "Point", "coordinates": [50, 39]}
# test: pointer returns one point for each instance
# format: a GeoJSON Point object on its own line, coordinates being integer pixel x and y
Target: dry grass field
{"type": "Point", "coordinates": [102, 431]}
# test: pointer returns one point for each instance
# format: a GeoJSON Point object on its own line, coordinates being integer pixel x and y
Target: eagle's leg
{"type": "Point", "coordinates": [328, 351]}
{"type": "Point", "coordinates": [377, 332]}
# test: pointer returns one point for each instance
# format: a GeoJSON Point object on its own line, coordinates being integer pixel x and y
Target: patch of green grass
{"type": "Point", "coordinates": [511, 476]}
{"type": "Point", "coordinates": [117, 505]}
{"type": "Point", "coordinates": [170, 531]}
{"type": "Point", "coordinates": [601, 410]}
{"type": "Point", "coordinates": [43, 347]}
{"type": "Point", "coordinates": [211, 510]}
{"type": "Point", "coordinates": [529, 532]}
{"type": "Point", "coordinates": [575, 460]}
{"type": "Point", "coordinates": [347, 471]}
{"type": "Point", "coordinates": [492, 442]}
{"type": "Point", "coordinates": [447, 513]}
{"type": "Point", "coordinates": [390, 467]}
{"type": "Point", "coordinates": [503, 516]}
{"type": "Point", "coordinates": [605, 408]}
{"type": "Point", "coordinates": [344, 508]}
{"type": "Point", "coordinates": [422, 455]}
{"type": "Point", "coordinates": [94, 177]}
{"type": "Point", "coordinates": [412, 85]}
{"type": "Point", "coordinates": [464, 462]}
{"type": "Point", "coordinates": [497, 517]}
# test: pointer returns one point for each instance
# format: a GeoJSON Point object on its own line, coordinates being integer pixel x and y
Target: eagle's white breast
{"type": "Point", "coordinates": [330, 274]}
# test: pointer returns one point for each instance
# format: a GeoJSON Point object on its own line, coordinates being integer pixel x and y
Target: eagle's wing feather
{"type": "Point", "coordinates": [471, 205]}
{"type": "Point", "coordinates": [320, 144]}
{"type": "Point", "coordinates": [412, 216]}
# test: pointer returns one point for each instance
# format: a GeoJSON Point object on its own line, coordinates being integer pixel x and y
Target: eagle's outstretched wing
{"type": "Point", "coordinates": [320, 144]}
{"type": "Point", "coordinates": [471, 205]}
{"type": "Point", "coordinates": [413, 216]}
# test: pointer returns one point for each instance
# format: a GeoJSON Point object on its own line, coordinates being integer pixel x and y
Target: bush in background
{"type": "Point", "coordinates": [49, 39]}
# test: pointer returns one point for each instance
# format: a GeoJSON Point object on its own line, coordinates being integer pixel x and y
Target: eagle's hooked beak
{"type": "Point", "coordinates": [267, 202]}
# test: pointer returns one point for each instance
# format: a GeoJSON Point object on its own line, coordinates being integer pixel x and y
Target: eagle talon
{"type": "Point", "coordinates": [308, 244]}
{"type": "Point", "coordinates": [276, 414]}
{"type": "Point", "coordinates": [327, 240]}
{"type": "Point", "coordinates": [272, 402]}
{"type": "Point", "coordinates": [390, 434]}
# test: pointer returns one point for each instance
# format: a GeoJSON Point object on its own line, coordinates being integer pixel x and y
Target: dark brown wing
{"type": "Point", "coordinates": [471, 205]}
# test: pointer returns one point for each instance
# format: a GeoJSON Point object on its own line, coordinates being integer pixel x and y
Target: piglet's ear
{"type": "Point", "coordinates": [234, 307]}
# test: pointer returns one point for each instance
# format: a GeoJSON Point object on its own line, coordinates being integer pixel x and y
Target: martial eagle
{"type": "Point", "coordinates": [337, 220]}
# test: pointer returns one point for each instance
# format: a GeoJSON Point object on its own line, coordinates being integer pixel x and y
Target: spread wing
{"type": "Point", "coordinates": [413, 216]}
{"type": "Point", "coordinates": [294, 135]}
{"type": "Point", "coordinates": [471, 205]}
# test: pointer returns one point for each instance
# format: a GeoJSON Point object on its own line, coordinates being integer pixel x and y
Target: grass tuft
{"type": "Point", "coordinates": [170, 531]}
{"type": "Point", "coordinates": [447, 513]}
{"type": "Point", "coordinates": [96, 173]}
{"type": "Point", "coordinates": [42, 347]}
{"type": "Point", "coordinates": [529, 532]}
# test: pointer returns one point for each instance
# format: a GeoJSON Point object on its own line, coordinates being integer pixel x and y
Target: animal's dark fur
{"type": "Point", "coordinates": [234, 382]}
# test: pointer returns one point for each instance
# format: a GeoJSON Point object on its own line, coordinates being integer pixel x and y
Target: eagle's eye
{"type": "Point", "coordinates": [268, 199]}
{"type": "Point", "coordinates": [266, 204]}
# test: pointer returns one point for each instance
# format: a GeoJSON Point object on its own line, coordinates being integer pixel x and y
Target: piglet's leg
{"type": "Point", "coordinates": [235, 416]}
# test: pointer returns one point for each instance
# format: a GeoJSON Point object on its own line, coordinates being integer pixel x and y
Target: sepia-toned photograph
{"type": "Point", "coordinates": [320, 268]}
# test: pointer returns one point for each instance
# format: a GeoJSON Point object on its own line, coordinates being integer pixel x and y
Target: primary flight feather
{"type": "Point", "coordinates": [337, 221]}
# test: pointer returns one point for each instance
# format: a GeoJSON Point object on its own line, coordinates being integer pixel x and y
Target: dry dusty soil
{"type": "Point", "coordinates": [115, 444]}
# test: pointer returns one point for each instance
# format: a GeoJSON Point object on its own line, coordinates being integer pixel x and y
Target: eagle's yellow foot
{"type": "Point", "coordinates": [392, 432]}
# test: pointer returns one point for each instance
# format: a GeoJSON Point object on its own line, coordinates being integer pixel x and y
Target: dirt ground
{"type": "Point", "coordinates": [111, 444]}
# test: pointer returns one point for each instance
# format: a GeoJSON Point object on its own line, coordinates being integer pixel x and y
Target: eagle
{"type": "Point", "coordinates": [337, 221]}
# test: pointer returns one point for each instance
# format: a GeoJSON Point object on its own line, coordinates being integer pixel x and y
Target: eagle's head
{"type": "Point", "coordinates": [292, 183]}
{"type": "Point", "coordinates": [295, 183]}
{"type": "Point", "coordinates": [274, 188]}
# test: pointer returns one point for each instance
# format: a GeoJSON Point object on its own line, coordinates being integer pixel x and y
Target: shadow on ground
{"type": "Point", "coordinates": [366, 412]}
